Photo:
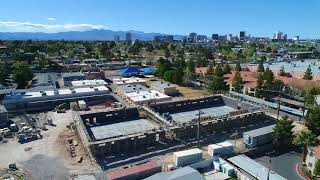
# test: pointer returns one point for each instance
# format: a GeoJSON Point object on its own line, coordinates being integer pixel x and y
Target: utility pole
{"type": "Point", "coordinates": [269, 167]}
{"type": "Point", "coordinates": [198, 134]}
{"type": "Point", "coordinates": [278, 109]}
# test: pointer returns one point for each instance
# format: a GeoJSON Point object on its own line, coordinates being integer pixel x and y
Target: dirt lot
{"type": "Point", "coordinates": [49, 157]}
{"type": "Point", "coordinates": [185, 92]}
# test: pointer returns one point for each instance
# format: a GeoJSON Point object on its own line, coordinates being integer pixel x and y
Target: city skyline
{"type": "Point", "coordinates": [203, 17]}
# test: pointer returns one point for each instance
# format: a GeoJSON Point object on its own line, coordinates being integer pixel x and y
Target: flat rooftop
{"type": "Point", "coordinates": [122, 129]}
{"type": "Point", "coordinates": [187, 116]}
{"type": "Point", "coordinates": [253, 168]}
{"type": "Point", "coordinates": [129, 88]}
{"type": "Point", "coordinates": [36, 94]}
{"type": "Point", "coordinates": [260, 131]}
{"type": "Point", "coordinates": [131, 80]}
{"type": "Point", "coordinates": [95, 82]}
{"type": "Point", "coordinates": [162, 85]}
{"type": "Point", "coordinates": [139, 96]}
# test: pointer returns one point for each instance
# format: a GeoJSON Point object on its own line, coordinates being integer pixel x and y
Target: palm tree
{"type": "Point", "coordinates": [304, 139]}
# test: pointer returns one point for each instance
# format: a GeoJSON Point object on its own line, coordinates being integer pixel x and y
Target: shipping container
{"type": "Point", "coordinates": [258, 137]}
{"type": "Point", "coordinates": [220, 149]}
{"type": "Point", "coordinates": [187, 157]}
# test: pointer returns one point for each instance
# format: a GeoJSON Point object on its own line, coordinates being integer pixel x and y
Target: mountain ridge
{"type": "Point", "coordinates": [92, 35]}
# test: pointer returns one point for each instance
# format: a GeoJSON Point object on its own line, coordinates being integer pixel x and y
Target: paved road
{"type": "Point", "coordinates": [284, 165]}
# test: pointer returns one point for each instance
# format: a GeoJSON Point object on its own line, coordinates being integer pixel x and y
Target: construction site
{"type": "Point", "coordinates": [165, 126]}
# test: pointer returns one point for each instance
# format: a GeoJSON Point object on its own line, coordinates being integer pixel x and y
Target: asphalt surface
{"type": "Point", "coordinates": [284, 164]}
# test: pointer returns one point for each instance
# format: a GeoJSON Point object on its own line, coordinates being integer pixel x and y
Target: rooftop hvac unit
{"type": "Point", "coordinates": [43, 93]}
{"type": "Point", "coordinates": [56, 92]}
{"type": "Point", "coordinates": [96, 89]}
{"type": "Point", "coordinates": [73, 91]}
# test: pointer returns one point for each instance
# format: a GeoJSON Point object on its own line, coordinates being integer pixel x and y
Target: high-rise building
{"type": "Point", "coordinates": [201, 38]}
{"type": "Point", "coordinates": [296, 38]}
{"type": "Point", "coordinates": [279, 36]}
{"type": "Point", "coordinates": [242, 35]}
{"type": "Point", "coordinates": [128, 37]}
{"type": "Point", "coordinates": [229, 37]}
{"type": "Point", "coordinates": [215, 37]}
{"type": "Point", "coordinates": [193, 37]}
{"type": "Point", "coordinates": [116, 38]}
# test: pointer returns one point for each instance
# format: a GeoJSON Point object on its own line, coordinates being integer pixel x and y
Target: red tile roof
{"type": "Point", "coordinates": [249, 78]}
{"type": "Point", "coordinates": [118, 173]}
{"type": "Point", "coordinates": [201, 70]}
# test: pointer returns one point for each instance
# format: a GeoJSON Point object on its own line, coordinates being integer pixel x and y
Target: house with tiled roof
{"type": "Point", "coordinates": [249, 80]}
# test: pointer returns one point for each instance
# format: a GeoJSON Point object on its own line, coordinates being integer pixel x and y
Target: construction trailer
{"type": "Point", "coordinates": [221, 149]}
{"type": "Point", "coordinates": [187, 157]}
{"type": "Point", "coordinates": [258, 137]}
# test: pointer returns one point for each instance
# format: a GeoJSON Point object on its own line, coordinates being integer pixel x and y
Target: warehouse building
{"type": "Point", "coordinates": [164, 88]}
{"type": "Point", "coordinates": [258, 137]}
{"type": "Point", "coordinates": [119, 130]}
{"type": "Point", "coordinates": [48, 100]}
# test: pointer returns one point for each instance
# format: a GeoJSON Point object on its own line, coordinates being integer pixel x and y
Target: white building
{"type": "Point", "coordinates": [147, 97]}
{"type": "Point", "coordinates": [88, 83]}
{"type": "Point", "coordinates": [313, 155]}
{"type": "Point", "coordinates": [131, 80]}
{"type": "Point", "coordinates": [46, 100]}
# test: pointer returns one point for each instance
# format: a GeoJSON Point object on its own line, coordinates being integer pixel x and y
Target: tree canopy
{"type": "Point", "coordinates": [22, 74]}
{"type": "Point", "coordinates": [308, 74]}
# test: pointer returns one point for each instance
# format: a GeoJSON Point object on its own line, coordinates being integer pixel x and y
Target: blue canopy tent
{"type": "Point", "coordinates": [148, 70]}
{"type": "Point", "coordinates": [129, 71]}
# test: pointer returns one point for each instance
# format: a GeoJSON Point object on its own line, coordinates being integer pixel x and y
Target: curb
{"type": "Point", "coordinates": [300, 173]}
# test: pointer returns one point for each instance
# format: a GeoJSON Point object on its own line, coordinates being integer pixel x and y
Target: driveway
{"type": "Point", "coordinates": [284, 164]}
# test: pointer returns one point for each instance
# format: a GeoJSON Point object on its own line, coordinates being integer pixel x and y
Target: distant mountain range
{"type": "Point", "coordinates": [92, 35]}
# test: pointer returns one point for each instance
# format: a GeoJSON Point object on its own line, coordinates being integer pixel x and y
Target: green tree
{"type": "Point", "coordinates": [210, 70]}
{"type": "Point", "coordinates": [238, 67]}
{"type": "Point", "coordinates": [312, 120]}
{"type": "Point", "coordinates": [316, 171]}
{"type": "Point", "coordinates": [260, 67]}
{"type": "Point", "coordinates": [308, 74]}
{"type": "Point", "coordinates": [282, 133]}
{"type": "Point", "coordinates": [22, 74]}
{"type": "Point", "coordinates": [178, 76]}
{"type": "Point", "coordinates": [218, 71]}
{"type": "Point", "coordinates": [217, 84]}
{"type": "Point", "coordinates": [304, 139]}
{"type": "Point", "coordinates": [259, 86]}
{"type": "Point", "coordinates": [5, 71]}
{"type": "Point", "coordinates": [190, 65]}
{"type": "Point", "coordinates": [237, 82]}
{"type": "Point", "coordinates": [226, 69]}
{"type": "Point", "coordinates": [168, 75]}
{"type": "Point", "coordinates": [269, 77]}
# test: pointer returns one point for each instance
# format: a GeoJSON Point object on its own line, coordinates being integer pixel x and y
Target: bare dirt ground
{"type": "Point", "coordinates": [49, 157]}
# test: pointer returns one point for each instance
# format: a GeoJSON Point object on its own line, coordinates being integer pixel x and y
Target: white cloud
{"type": "Point", "coordinates": [49, 28]}
{"type": "Point", "coordinates": [51, 19]}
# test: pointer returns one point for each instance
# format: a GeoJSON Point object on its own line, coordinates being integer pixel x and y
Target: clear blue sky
{"type": "Point", "coordinates": [257, 17]}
